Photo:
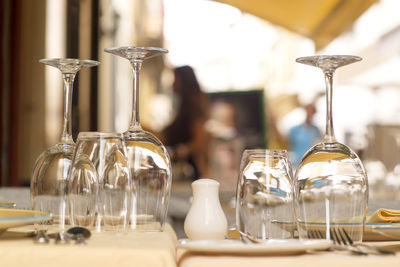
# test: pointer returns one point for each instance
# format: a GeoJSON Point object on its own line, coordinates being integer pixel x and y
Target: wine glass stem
{"type": "Point", "coordinates": [135, 123]}
{"type": "Point", "coordinates": [329, 133]}
{"type": "Point", "coordinates": [66, 136]}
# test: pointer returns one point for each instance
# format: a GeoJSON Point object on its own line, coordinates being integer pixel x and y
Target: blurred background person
{"type": "Point", "coordinates": [186, 136]}
{"type": "Point", "coordinates": [303, 136]}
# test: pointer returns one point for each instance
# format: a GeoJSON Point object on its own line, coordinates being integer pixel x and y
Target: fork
{"type": "Point", "coordinates": [342, 239]}
{"type": "Point", "coordinates": [368, 246]}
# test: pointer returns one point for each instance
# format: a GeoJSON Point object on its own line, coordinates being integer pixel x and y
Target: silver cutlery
{"type": "Point", "coordinates": [79, 234]}
{"type": "Point", "coordinates": [342, 240]}
{"type": "Point", "coordinates": [248, 239]}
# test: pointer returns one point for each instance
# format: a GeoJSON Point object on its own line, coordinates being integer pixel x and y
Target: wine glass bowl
{"type": "Point", "coordinates": [331, 188]}
{"type": "Point", "coordinates": [148, 158]}
{"type": "Point", "coordinates": [331, 185]}
{"type": "Point", "coordinates": [49, 181]}
{"type": "Point", "coordinates": [151, 174]}
{"type": "Point", "coordinates": [49, 184]}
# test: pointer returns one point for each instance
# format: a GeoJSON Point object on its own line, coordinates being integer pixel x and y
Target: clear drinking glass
{"type": "Point", "coordinates": [100, 182]}
{"type": "Point", "coordinates": [148, 158]}
{"type": "Point", "coordinates": [392, 179]}
{"type": "Point", "coordinates": [331, 183]}
{"type": "Point", "coordinates": [264, 197]}
{"type": "Point", "coordinates": [49, 177]}
{"type": "Point", "coordinates": [375, 168]}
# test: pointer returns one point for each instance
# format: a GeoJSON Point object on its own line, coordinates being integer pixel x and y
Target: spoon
{"type": "Point", "coordinates": [246, 238]}
{"type": "Point", "coordinates": [79, 234]}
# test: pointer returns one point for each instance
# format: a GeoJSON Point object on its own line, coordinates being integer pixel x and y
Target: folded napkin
{"type": "Point", "coordinates": [233, 234]}
{"type": "Point", "coordinates": [384, 216]}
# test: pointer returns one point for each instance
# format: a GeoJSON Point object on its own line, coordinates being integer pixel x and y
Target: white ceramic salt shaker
{"type": "Point", "coordinates": [206, 219]}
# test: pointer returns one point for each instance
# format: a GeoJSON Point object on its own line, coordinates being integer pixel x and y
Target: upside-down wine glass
{"type": "Point", "coordinates": [331, 187]}
{"type": "Point", "coordinates": [149, 160]}
{"type": "Point", "coordinates": [49, 181]}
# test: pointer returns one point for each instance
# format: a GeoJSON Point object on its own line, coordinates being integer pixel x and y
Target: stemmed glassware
{"type": "Point", "coordinates": [331, 184]}
{"type": "Point", "coordinates": [148, 158]}
{"type": "Point", "coordinates": [49, 184]}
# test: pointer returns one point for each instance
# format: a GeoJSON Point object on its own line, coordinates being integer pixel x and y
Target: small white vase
{"type": "Point", "coordinates": [206, 219]}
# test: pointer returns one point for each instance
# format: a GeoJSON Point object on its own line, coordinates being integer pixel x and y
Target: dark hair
{"type": "Point", "coordinates": [193, 101]}
{"type": "Point", "coordinates": [188, 79]}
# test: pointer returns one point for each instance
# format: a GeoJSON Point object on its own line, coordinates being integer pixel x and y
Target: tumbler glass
{"type": "Point", "coordinates": [100, 183]}
{"type": "Point", "coordinates": [264, 197]}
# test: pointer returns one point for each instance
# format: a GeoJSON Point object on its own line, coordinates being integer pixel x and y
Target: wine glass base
{"type": "Point", "coordinates": [136, 52]}
{"type": "Point", "coordinates": [69, 65]}
{"type": "Point", "coordinates": [328, 62]}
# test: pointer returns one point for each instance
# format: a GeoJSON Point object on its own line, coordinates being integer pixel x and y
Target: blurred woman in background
{"type": "Point", "coordinates": [186, 136]}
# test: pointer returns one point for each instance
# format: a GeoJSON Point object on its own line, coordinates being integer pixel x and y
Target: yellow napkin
{"type": "Point", "coordinates": [385, 216]}
{"type": "Point", "coordinates": [233, 234]}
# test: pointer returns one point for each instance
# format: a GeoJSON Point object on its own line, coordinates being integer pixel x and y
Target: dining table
{"type": "Point", "coordinates": [325, 258]}
{"type": "Point", "coordinates": [108, 249]}
{"type": "Point", "coordinates": [17, 248]}
{"type": "Point", "coordinates": [135, 248]}
{"type": "Point", "coordinates": [103, 248]}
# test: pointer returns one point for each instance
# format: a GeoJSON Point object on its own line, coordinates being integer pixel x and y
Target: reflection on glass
{"type": "Point", "coordinates": [264, 200]}
{"type": "Point", "coordinates": [83, 189]}
{"type": "Point", "coordinates": [331, 183]}
{"type": "Point", "coordinates": [100, 183]}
